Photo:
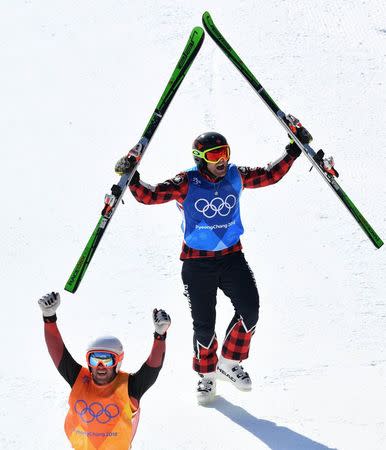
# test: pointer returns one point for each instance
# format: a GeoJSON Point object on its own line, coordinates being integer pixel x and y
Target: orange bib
{"type": "Point", "coordinates": [99, 417]}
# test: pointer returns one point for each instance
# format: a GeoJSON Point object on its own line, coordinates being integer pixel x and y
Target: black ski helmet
{"type": "Point", "coordinates": [205, 141]}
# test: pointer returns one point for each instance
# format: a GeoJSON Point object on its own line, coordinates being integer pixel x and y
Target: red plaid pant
{"type": "Point", "coordinates": [235, 346]}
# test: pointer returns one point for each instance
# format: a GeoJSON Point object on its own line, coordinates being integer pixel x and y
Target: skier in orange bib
{"type": "Point", "coordinates": [104, 402]}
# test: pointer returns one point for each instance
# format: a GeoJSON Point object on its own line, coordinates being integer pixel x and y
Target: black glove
{"type": "Point", "coordinates": [302, 134]}
{"type": "Point", "coordinates": [293, 149]}
{"type": "Point", "coordinates": [135, 179]}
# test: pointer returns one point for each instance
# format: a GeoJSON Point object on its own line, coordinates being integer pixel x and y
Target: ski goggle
{"type": "Point", "coordinates": [214, 155]}
{"type": "Point", "coordinates": [107, 359]}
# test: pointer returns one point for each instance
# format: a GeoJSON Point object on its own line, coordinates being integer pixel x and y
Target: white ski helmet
{"type": "Point", "coordinates": [107, 344]}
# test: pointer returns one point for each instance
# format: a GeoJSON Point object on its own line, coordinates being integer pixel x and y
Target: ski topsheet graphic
{"type": "Point", "coordinates": [136, 153]}
{"type": "Point", "coordinates": [323, 166]}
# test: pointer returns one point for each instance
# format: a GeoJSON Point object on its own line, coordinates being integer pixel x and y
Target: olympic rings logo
{"type": "Point", "coordinates": [216, 206]}
{"type": "Point", "coordinates": [96, 411]}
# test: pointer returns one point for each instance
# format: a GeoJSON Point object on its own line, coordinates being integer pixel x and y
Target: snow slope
{"type": "Point", "coordinates": [78, 83]}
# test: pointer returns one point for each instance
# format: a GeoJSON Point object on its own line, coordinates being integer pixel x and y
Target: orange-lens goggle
{"type": "Point", "coordinates": [107, 359]}
{"type": "Point", "coordinates": [214, 155]}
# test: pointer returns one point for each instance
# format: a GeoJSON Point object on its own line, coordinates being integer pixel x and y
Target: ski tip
{"type": "Point", "coordinates": [198, 31]}
{"type": "Point", "coordinates": [208, 23]}
{"type": "Point", "coordinates": [206, 16]}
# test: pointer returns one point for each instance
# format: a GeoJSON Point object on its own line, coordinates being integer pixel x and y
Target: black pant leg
{"type": "Point", "coordinates": [200, 278]}
{"type": "Point", "coordinates": [238, 283]}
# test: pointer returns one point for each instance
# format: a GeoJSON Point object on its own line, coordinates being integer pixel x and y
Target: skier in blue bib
{"type": "Point", "coordinates": [208, 196]}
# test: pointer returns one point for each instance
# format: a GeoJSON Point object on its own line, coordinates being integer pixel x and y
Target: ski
{"type": "Point", "coordinates": [135, 154]}
{"type": "Point", "coordinates": [323, 165]}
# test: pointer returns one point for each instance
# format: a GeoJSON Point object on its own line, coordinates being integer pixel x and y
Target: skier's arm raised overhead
{"type": "Point", "coordinates": [142, 380]}
{"type": "Point", "coordinates": [64, 362]}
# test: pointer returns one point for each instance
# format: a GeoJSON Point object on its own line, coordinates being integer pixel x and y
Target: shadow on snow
{"type": "Point", "coordinates": [273, 435]}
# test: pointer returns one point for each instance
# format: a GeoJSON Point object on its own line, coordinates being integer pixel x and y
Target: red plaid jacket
{"type": "Point", "coordinates": [177, 188]}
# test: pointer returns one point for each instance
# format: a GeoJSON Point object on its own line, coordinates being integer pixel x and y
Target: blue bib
{"type": "Point", "coordinates": [212, 212]}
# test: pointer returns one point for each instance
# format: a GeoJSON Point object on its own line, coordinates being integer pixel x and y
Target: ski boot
{"type": "Point", "coordinates": [231, 371]}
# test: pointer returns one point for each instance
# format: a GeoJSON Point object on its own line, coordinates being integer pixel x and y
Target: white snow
{"type": "Point", "coordinates": [78, 83]}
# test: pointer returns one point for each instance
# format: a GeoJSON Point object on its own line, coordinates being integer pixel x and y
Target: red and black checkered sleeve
{"type": "Point", "coordinates": [260, 177]}
{"type": "Point", "coordinates": [173, 189]}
